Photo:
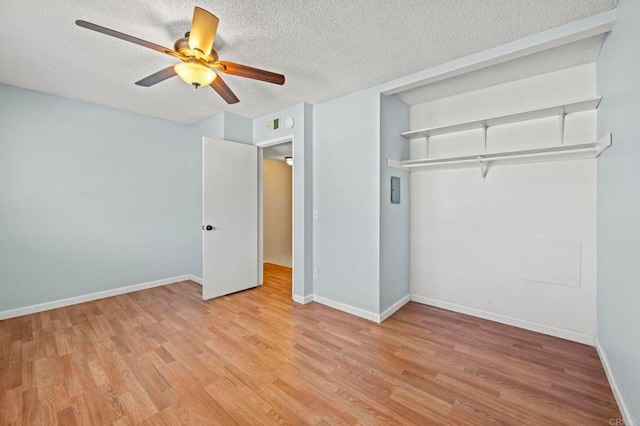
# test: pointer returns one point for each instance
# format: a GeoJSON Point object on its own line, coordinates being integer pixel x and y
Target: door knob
{"type": "Point", "coordinates": [208, 228]}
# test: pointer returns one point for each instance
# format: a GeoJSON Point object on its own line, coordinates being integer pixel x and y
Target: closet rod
{"type": "Point", "coordinates": [593, 148]}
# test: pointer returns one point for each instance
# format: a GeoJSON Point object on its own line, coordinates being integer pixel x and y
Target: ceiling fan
{"type": "Point", "coordinates": [199, 59]}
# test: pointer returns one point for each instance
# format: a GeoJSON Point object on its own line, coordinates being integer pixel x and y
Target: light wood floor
{"type": "Point", "coordinates": [163, 356]}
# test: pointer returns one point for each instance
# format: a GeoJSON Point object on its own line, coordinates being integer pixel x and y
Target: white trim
{"type": "Point", "coordinates": [393, 308]}
{"type": "Point", "coordinates": [261, 219]}
{"type": "Point", "coordinates": [347, 308]}
{"type": "Point", "coordinates": [303, 299]}
{"type": "Point", "coordinates": [371, 316]}
{"type": "Point", "coordinates": [622, 405]}
{"type": "Point", "coordinates": [276, 141]}
{"type": "Point", "coordinates": [26, 310]}
{"type": "Point", "coordinates": [504, 319]}
{"type": "Point", "coordinates": [196, 279]}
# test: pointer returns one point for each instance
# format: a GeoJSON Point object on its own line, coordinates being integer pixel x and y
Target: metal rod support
{"type": "Point", "coordinates": [562, 118]}
{"type": "Point", "coordinates": [484, 125]}
{"type": "Point", "coordinates": [427, 146]}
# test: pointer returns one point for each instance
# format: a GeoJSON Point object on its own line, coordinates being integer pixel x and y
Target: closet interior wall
{"type": "Point", "coordinates": [520, 245]}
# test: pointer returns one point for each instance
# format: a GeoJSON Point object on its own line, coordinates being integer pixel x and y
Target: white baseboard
{"type": "Point", "coordinates": [303, 299]}
{"type": "Point", "coordinates": [362, 313]}
{"type": "Point", "coordinates": [393, 308]}
{"type": "Point", "coordinates": [11, 313]}
{"type": "Point", "coordinates": [516, 322]}
{"type": "Point", "coordinates": [347, 308]}
{"type": "Point", "coordinates": [196, 279]}
{"type": "Point", "coordinates": [622, 405]}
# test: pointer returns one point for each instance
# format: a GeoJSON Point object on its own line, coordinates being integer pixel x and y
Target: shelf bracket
{"type": "Point", "coordinates": [483, 167]}
{"type": "Point", "coordinates": [603, 144]}
{"type": "Point", "coordinates": [562, 118]}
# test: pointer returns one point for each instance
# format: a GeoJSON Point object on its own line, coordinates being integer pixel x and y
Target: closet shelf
{"type": "Point", "coordinates": [558, 110]}
{"type": "Point", "coordinates": [560, 152]}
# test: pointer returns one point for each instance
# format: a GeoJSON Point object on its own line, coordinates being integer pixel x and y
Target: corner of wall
{"type": "Point", "coordinates": [394, 218]}
{"type": "Point", "coordinates": [308, 202]}
{"type": "Point", "coordinates": [238, 128]}
{"type": "Point", "coordinates": [618, 67]}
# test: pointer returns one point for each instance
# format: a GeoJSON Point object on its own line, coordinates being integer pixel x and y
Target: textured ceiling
{"type": "Point", "coordinates": [278, 152]}
{"type": "Point", "coordinates": [326, 48]}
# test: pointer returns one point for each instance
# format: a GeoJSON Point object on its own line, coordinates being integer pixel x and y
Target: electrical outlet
{"type": "Point", "coordinates": [315, 274]}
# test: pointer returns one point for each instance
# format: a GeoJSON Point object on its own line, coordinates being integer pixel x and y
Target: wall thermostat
{"type": "Point", "coordinates": [273, 124]}
{"type": "Point", "coordinates": [289, 122]}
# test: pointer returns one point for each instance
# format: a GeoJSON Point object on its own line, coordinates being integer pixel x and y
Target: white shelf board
{"type": "Point", "coordinates": [557, 110]}
{"type": "Point", "coordinates": [558, 152]}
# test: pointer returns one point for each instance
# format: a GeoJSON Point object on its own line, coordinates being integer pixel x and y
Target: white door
{"type": "Point", "coordinates": [230, 217]}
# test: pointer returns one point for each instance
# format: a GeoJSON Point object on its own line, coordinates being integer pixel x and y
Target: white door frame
{"type": "Point", "coordinates": [261, 146]}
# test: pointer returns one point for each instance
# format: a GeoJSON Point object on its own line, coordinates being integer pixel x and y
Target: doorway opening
{"type": "Point", "coordinates": [276, 210]}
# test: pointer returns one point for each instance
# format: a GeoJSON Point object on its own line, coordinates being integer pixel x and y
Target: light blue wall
{"type": "Point", "coordinates": [361, 241]}
{"type": "Point", "coordinates": [212, 127]}
{"type": "Point", "coordinates": [394, 218]}
{"type": "Point", "coordinates": [91, 198]}
{"type": "Point", "coordinates": [94, 198]}
{"type": "Point", "coordinates": [238, 128]}
{"type": "Point", "coordinates": [142, 222]}
{"type": "Point", "coordinates": [346, 165]}
{"type": "Point", "coordinates": [261, 134]}
{"type": "Point", "coordinates": [302, 186]}
{"type": "Point", "coordinates": [307, 151]}
{"type": "Point", "coordinates": [618, 76]}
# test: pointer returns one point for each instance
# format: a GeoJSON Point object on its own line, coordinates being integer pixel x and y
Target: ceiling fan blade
{"type": "Point", "coordinates": [223, 90]}
{"type": "Point", "coordinates": [250, 72]}
{"type": "Point", "coordinates": [127, 37]}
{"type": "Point", "coordinates": [203, 30]}
{"type": "Point", "coordinates": [157, 77]}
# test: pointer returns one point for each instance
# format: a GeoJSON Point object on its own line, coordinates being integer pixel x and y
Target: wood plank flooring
{"type": "Point", "coordinates": [163, 356]}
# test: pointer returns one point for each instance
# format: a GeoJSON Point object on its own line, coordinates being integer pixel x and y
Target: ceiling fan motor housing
{"type": "Point", "coordinates": [182, 46]}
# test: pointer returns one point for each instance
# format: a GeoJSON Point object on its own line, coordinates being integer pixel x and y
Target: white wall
{"type": "Point", "coordinates": [277, 212]}
{"type": "Point", "coordinates": [91, 198]}
{"type": "Point", "coordinates": [619, 207]}
{"type": "Point", "coordinates": [469, 235]}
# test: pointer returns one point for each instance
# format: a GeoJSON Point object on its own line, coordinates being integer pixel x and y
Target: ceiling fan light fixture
{"type": "Point", "coordinates": [200, 66]}
{"type": "Point", "coordinates": [195, 74]}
